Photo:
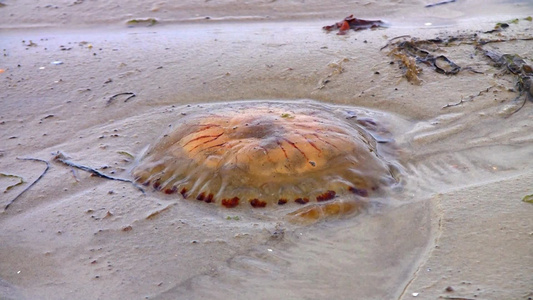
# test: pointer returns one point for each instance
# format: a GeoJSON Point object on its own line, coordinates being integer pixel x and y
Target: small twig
{"type": "Point", "coordinates": [472, 70]}
{"type": "Point", "coordinates": [470, 98]}
{"type": "Point", "coordinates": [126, 100]}
{"type": "Point", "coordinates": [60, 157]}
{"type": "Point", "coordinates": [120, 94]}
{"type": "Point", "coordinates": [33, 183]}
{"type": "Point", "coordinates": [394, 38]}
{"type": "Point", "coordinates": [440, 3]}
{"type": "Point", "coordinates": [454, 104]}
{"type": "Point", "coordinates": [75, 174]}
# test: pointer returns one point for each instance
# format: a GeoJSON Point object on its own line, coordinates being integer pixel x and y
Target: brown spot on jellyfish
{"type": "Point", "coordinates": [274, 153]}
{"type": "Point", "coordinates": [230, 203]}
{"type": "Point", "coordinates": [282, 201]}
{"type": "Point", "coordinates": [326, 196]}
{"type": "Point", "coordinates": [301, 200]}
{"type": "Point", "coordinates": [257, 203]}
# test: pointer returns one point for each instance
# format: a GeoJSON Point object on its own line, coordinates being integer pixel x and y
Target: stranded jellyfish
{"type": "Point", "coordinates": [325, 159]}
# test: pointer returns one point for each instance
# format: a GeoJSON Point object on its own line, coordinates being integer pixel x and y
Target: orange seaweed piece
{"type": "Point", "coordinates": [353, 23]}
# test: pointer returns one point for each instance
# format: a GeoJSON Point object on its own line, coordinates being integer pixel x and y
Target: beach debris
{"type": "Point", "coordinates": [440, 3]}
{"type": "Point", "coordinates": [125, 153]}
{"type": "Point", "coordinates": [83, 43]}
{"type": "Point", "coordinates": [528, 198]}
{"type": "Point", "coordinates": [409, 67]}
{"type": "Point", "coordinates": [504, 25]}
{"type": "Point", "coordinates": [142, 21]}
{"type": "Point", "coordinates": [353, 23]}
{"type": "Point", "coordinates": [469, 98]}
{"type": "Point", "coordinates": [421, 51]}
{"type": "Point", "coordinates": [413, 51]}
{"type": "Point", "coordinates": [444, 65]}
{"type": "Point", "coordinates": [30, 43]}
{"type": "Point", "coordinates": [449, 289]}
{"type": "Point", "coordinates": [56, 62]}
{"type": "Point", "coordinates": [2, 71]}
{"type": "Point", "coordinates": [21, 181]}
{"type": "Point", "coordinates": [130, 95]}
{"type": "Point", "coordinates": [33, 183]}
{"type": "Point", "coordinates": [523, 73]}
{"type": "Point", "coordinates": [287, 116]}
{"type": "Point", "coordinates": [62, 158]}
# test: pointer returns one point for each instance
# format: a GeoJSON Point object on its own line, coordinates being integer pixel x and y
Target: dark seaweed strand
{"type": "Point", "coordinates": [34, 182]}
{"type": "Point", "coordinates": [60, 157]}
{"type": "Point", "coordinates": [131, 95]}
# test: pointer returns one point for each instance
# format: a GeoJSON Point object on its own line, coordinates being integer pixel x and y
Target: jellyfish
{"type": "Point", "coordinates": [323, 159]}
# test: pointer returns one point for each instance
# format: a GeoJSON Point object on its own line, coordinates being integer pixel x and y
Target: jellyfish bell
{"type": "Point", "coordinates": [272, 154]}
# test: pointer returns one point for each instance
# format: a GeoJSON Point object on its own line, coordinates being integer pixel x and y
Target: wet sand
{"type": "Point", "coordinates": [459, 222]}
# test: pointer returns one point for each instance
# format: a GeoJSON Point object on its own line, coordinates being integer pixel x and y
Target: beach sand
{"type": "Point", "coordinates": [458, 229]}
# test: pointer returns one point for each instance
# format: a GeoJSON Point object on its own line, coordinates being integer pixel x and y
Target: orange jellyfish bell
{"type": "Point", "coordinates": [269, 154]}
